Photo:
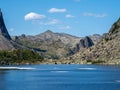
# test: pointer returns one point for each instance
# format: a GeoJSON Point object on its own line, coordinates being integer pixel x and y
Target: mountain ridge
{"type": "Point", "coordinates": [49, 44]}
{"type": "Point", "coordinates": [55, 44]}
{"type": "Point", "coordinates": [107, 51]}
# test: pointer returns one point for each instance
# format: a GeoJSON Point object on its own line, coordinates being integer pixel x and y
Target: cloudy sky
{"type": "Point", "coordinates": [76, 17]}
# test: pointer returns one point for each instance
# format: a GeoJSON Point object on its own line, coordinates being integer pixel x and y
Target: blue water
{"type": "Point", "coordinates": [61, 77]}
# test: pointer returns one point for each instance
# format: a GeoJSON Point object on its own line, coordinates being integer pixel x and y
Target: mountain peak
{"type": "Point", "coordinates": [5, 39]}
{"type": "Point", "coordinates": [86, 42]}
{"type": "Point", "coordinates": [3, 30]}
{"type": "Point", "coordinates": [48, 31]}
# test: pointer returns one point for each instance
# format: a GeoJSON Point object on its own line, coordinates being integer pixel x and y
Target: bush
{"type": "Point", "coordinates": [19, 56]}
{"type": "Point", "coordinates": [106, 39]}
{"type": "Point", "coordinates": [98, 62]}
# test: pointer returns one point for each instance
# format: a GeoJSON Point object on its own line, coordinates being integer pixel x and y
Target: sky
{"type": "Point", "coordinates": [75, 17]}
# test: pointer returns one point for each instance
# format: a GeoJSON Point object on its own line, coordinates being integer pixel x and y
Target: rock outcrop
{"type": "Point", "coordinates": [84, 43]}
{"type": "Point", "coordinates": [5, 39]}
{"type": "Point", "coordinates": [3, 30]}
{"type": "Point", "coordinates": [107, 51]}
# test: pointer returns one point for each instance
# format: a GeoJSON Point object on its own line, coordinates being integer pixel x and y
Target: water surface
{"type": "Point", "coordinates": [61, 77]}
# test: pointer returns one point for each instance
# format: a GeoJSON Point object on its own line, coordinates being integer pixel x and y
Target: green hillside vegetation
{"type": "Point", "coordinates": [19, 56]}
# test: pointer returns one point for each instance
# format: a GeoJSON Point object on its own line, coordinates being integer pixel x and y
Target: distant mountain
{"type": "Point", "coordinates": [5, 39]}
{"type": "Point", "coordinates": [95, 38]}
{"type": "Point", "coordinates": [65, 38]}
{"type": "Point", "coordinates": [107, 51]}
{"type": "Point", "coordinates": [49, 44]}
{"type": "Point", "coordinates": [56, 45]}
{"type": "Point", "coordinates": [83, 43]}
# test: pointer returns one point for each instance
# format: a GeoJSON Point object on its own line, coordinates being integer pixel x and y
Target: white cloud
{"type": "Point", "coordinates": [65, 27]}
{"type": "Point", "coordinates": [55, 10]}
{"type": "Point", "coordinates": [95, 15]}
{"type": "Point", "coordinates": [33, 16]}
{"type": "Point", "coordinates": [69, 16]}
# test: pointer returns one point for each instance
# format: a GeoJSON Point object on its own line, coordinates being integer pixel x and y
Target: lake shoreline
{"type": "Point", "coordinates": [57, 63]}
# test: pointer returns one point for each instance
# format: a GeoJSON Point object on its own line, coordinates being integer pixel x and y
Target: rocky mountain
{"type": "Point", "coordinates": [54, 45]}
{"type": "Point", "coordinates": [65, 38]}
{"type": "Point", "coordinates": [95, 38]}
{"type": "Point", "coordinates": [86, 42]}
{"type": "Point", "coordinates": [83, 43]}
{"type": "Point", "coordinates": [107, 51]}
{"type": "Point", "coordinates": [6, 42]}
{"type": "Point", "coordinates": [49, 44]}
{"type": "Point", "coordinates": [5, 39]}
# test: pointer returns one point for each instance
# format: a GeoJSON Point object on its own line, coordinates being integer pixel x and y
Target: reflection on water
{"type": "Point", "coordinates": [61, 77]}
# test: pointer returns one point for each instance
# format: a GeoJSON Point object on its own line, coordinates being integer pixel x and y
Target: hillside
{"type": "Point", "coordinates": [48, 44]}
{"type": "Point", "coordinates": [107, 51]}
{"type": "Point", "coordinates": [6, 42]}
{"type": "Point", "coordinates": [12, 52]}
{"type": "Point", "coordinates": [55, 45]}
{"type": "Point", "coordinates": [5, 39]}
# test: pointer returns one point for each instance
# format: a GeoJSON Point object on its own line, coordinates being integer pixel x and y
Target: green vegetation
{"type": "Point", "coordinates": [106, 39]}
{"type": "Point", "coordinates": [98, 62]}
{"type": "Point", "coordinates": [19, 56]}
{"type": "Point", "coordinates": [116, 26]}
{"type": "Point", "coordinates": [95, 62]}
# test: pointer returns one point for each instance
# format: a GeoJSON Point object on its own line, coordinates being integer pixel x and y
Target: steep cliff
{"type": "Point", "coordinates": [83, 43]}
{"type": "Point", "coordinates": [3, 30]}
{"type": "Point", "coordinates": [5, 39]}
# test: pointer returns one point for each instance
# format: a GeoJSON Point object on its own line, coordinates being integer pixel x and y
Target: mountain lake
{"type": "Point", "coordinates": [60, 77]}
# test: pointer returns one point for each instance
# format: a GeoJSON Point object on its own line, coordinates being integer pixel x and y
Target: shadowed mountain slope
{"type": "Point", "coordinates": [5, 39]}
